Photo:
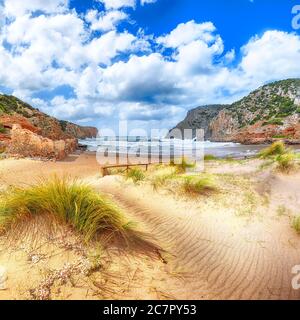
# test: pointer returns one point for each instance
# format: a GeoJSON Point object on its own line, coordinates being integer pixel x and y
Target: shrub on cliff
{"type": "Point", "coordinates": [70, 202]}
{"type": "Point", "coordinates": [2, 129]}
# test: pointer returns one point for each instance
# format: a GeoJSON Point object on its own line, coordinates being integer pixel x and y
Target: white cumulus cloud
{"type": "Point", "coordinates": [114, 74]}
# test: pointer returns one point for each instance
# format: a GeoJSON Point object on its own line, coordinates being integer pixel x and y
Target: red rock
{"type": "Point", "coordinates": [9, 120]}
{"type": "Point", "coordinates": [25, 143]}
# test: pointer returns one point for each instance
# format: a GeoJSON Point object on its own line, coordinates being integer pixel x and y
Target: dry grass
{"type": "Point", "coordinates": [276, 149]}
{"type": "Point", "coordinates": [296, 223]}
{"type": "Point", "coordinates": [284, 159]}
{"type": "Point", "coordinates": [162, 176]}
{"type": "Point", "coordinates": [286, 162]}
{"type": "Point", "coordinates": [199, 185]}
{"type": "Point", "coordinates": [136, 174]}
{"type": "Point", "coordinates": [184, 165]}
{"type": "Point", "coordinates": [69, 201]}
{"type": "Point", "coordinates": [210, 157]}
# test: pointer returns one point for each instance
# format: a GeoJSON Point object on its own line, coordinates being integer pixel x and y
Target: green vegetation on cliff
{"type": "Point", "coordinates": [270, 103]}
{"type": "Point", "coordinates": [276, 104]}
{"type": "Point", "coordinates": [50, 126]}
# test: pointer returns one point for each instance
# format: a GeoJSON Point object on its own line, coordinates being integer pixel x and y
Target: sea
{"type": "Point", "coordinates": [143, 146]}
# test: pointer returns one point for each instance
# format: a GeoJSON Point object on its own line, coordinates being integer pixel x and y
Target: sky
{"type": "Point", "coordinates": [99, 62]}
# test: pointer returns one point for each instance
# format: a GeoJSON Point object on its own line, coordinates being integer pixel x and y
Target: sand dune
{"type": "Point", "coordinates": [233, 245]}
{"type": "Point", "coordinates": [220, 255]}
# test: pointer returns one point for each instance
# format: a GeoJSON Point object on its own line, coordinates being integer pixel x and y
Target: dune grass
{"type": "Point", "coordinates": [296, 223]}
{"type": "Point", "coordinates": [199, 185]}
{"type": "Point", "coordinates": [285, 162]}
{"type": "Point", "coordinates": [284, 158]}
{"type": "Point", "coordinates": [162, 176]}
{"type": "Point", "coordinates": [69, 201]}
{"type": "Point", "coordinates": [184, 165]}
{"type": "Point", "coordinates": [210, 157]}
{"type": "Point", "coordinates": [136, 174]}
{"type": "Point", "coordinates": [276, 149]}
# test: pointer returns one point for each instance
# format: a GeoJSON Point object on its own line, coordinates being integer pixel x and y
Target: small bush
{"type": "Point", "coordinates": [2, 129]}
{"type": "Point", "coordinates": [276, 149]}
{"type": "Point", "coordinates": [136, 174]}
{"type": "Point", "coordinates": [196, 185]}
{"type": "Point", "coordinates": [296, 223]}
{"type": "Point", "coordinates": [68, 201]}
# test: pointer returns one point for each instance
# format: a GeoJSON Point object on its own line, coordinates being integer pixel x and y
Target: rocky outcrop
{"type": "Point", "coordinates": [7, 121]}
{"type": "Point", "coordinates": [25, 143]}
{"type": "Point", "coordinates": [199, 118]}
{"type": "Point", "coordinates": [49, 127]}
{"type": "Point", "coordinates": [27, 132]}
{"type": "Point", "coordinates": [80, 132]}
{"type": "Point", "coordinates": [270, 113]}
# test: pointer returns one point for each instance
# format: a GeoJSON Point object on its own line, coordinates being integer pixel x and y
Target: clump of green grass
{"type": "Point", "coordinates": [276, 149]}
{"type": "Point", "coordinates": [284, 158]}
{"type": "Point", "coordinates": [68, 201]}
{"type": "Point", "coordinates": [184, 165]}
{"type": "Point", "coordinates": [283, 211]}
{"type": "Point", "coordinates": [136, 174]}
{"type": "Point", "coordinates": [210, 157]}
{"type": "Point", "coordinates": [198, 185]}
{"type": "Point", "coordinates": [285, 162]}
{"type": "Point", "coordinates": [296, 223]}
{"type": "Point", "coordinates": [162, 176]}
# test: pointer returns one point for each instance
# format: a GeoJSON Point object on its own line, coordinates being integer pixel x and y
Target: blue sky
{"type": "Point", "coordinates": [97, 62]}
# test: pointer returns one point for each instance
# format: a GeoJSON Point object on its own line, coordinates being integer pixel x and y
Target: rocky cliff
{"type": "Point", "coordinates": [50, 127]}
{"type": "Point", "coordinates": [200, 118]}
{"type": "Point", "coordinates": [27, 132]}
{"type": "Point", "coordinates": [270, 113]}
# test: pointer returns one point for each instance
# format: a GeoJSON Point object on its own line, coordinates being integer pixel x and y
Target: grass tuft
{"type": "Point", "coordinates": [296, 223]}
{"type": "Point", "coordinates": [210, 157]}
{"type": "Point", "coordinates": [284, 158]}
{"type": "Point", "coordinates": [285, 162]}
{"type": "Point", "coordinates": [276, 149]}
{"type": "Point", "coordinates": [195, 185]}
{"type": "Point", "coordinates": [69, 201]}
{"type": "Point", "coordinates": [184, 165]}
{"type": "Point", "coordinates": [162, 176]}
{"type": "Point", "coordinates": [136, 174]}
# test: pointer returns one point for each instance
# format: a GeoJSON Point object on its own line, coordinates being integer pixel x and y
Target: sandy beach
{"type": "Point", "coordinates": [235, 244]}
